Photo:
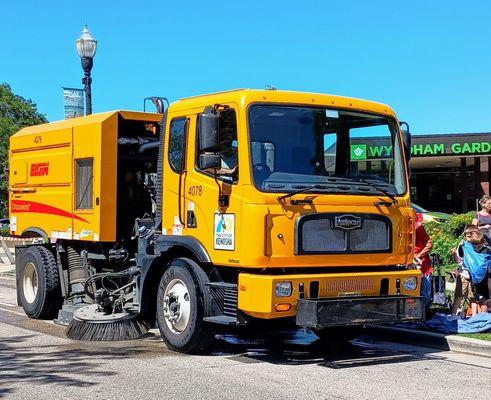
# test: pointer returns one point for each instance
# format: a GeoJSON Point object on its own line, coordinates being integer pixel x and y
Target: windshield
{"type": "Point", "coordinates": [333, 150]}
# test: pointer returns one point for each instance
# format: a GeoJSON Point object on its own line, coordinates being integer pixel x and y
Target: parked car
{"type": "Point", "coordinates": [4, 223]}
{"type": "Point", "coordinates": [431, 215]}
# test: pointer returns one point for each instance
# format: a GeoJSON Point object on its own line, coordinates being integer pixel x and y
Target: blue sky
{"type": "Point", "coordinates": [429, 60]}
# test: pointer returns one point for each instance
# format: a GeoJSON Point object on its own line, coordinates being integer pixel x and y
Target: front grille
{"type": "Point", "coordinates": [318, 234]}
{"type": "Point", "coordinates": [350, 285]}
{"type": "Point", "coordinates": [372, 236]}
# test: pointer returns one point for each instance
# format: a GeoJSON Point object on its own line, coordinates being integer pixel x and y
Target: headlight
{"type": "Point", "coordinates": [283, 289]}
{"type": "Point", "coordinates": [410, 283]}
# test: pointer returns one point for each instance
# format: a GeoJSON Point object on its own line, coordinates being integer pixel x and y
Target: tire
{"type": "Point", "coordinates": [182, 303]}
{"type": "Point", "coordinates": [39, 284]}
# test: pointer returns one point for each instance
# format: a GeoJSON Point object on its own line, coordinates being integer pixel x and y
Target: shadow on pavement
{"type": "Point", "coordinates": [299, 347]}
{"type": "Point", "coordinates": [24, 360]}
{"type": "Point", "coordinates": [66, 364]}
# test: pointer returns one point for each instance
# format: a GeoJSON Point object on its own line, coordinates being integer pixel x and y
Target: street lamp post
{"type": "Point", "coordinates": [86, 48]}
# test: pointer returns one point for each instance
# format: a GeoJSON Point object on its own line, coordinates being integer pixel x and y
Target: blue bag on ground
{"type": "Point", "coordinates": [476, 263]}
{"type": "Point", "coordinates": [450, 324]}
{"type": "Point", "coordinates": [478, 323]}
{"type": "Point", "coordinates": [443, 323]}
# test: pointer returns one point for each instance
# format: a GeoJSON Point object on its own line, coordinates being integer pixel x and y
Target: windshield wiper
{"type": "Point", "coordinates": [383, 191]}
{"type": "Point", "coordinates": [317, 186]}
{"type": "Point", "coordinates": [306, 189]}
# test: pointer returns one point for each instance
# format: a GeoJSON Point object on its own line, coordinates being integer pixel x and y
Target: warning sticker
{"type": "Point", "coordinates": [177, 227]}
{"type": "Point", "coordinates": [224, 237]}
{"type": "Point", "coordinates": [13, 223]}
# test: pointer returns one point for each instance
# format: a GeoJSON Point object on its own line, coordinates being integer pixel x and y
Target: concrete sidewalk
{"type": "Point", "coordinates": [434, 340]}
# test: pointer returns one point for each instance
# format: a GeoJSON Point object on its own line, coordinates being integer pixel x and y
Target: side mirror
{"type": "Point", "coordinates": [210, 161]}
{"type": "Point", "coordinates": [208, 131]}
{"type": "Point", "coordinates": [208, 139]}
{"type": "Point", "coordinates": [406, 139]}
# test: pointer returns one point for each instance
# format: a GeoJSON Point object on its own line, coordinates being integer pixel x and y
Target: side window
{"type": "Point", "coordinates": [227, 147]}
{"type": "Point", "coordinates": [177, 139]}
{"type": "Point", "coordinates": [84, 186]}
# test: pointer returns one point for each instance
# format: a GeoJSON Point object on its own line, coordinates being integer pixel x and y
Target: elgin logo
{"type": "Point", "coordinates": [40, 169]}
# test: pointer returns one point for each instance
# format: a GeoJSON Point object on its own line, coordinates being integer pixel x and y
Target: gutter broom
{"type": "Point", "coordinates": [112, 317]}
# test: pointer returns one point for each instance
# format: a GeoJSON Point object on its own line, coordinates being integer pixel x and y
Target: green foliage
{"type": "Point", "coordinates": [4, 232]}
{"type": "Point", "coordinates": [480, 336]}
{"type": "Point", "coordinates": [445, 236]}
{"type": "Point", "coordinates": [15, 114]}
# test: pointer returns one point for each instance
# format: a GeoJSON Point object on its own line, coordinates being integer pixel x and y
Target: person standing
{"type": "Point", "coordinates": [422, 247]}
{"type": "Point", "coordinates": [482, 218]}
{"type": "Point", "coordinates": [463, 285]}
{"type": "Point", "coordinates": [480, 271]}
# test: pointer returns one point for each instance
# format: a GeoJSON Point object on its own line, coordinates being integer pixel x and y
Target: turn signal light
{"type": "Point", "coordinates": [283, 307]}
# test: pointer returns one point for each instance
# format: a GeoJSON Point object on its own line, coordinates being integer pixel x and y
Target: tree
{"type": "Point", "coordinates": [15, 114]}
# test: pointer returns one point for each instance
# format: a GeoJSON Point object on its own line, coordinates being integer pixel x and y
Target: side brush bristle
{"type": "Point", "coordinates": [127, 329]}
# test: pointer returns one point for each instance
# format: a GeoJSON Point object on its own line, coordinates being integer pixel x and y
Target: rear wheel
{"type": "Point", "coordinates": [182, 303]}
{"type": "Point", "coordinates": [39, 284]}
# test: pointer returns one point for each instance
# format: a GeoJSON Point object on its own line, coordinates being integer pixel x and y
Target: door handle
{"type": "Point", "coordinates": [191, 219]}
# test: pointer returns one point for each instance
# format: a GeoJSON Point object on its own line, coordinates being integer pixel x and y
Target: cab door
{"type": "Point", "coordinates": [174, 175]}
{"type": "Point", "coordinates": [210, 208]}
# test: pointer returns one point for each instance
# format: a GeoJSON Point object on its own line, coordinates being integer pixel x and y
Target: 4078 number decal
{"type": "Point", "coordinates": [195, 190]}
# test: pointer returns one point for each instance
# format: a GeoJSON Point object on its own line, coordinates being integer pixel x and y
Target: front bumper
{"type": "Point", "coordinates": [324, 313]}
{"type": "Point", "coordinates": [257, 297]}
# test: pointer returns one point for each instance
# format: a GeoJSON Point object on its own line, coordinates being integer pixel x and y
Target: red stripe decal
{"type": "Point", "coordinates": [19, 206]}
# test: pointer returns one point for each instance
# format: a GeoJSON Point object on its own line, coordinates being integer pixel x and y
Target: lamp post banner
{"type": "Point", "coordinates": [73, 102]}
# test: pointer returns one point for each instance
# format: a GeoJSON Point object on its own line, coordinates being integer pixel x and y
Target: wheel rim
{"type": "Point", "coordinates": [30, 282]}
{"type": "Point", "coordinates": [176, 306]}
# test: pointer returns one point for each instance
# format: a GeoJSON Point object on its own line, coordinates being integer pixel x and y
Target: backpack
{"type": "Point", "coordinates": [476, 263]}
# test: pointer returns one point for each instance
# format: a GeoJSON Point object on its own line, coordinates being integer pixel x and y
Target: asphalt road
{"type": "Point", "coordinates": [37, 362]}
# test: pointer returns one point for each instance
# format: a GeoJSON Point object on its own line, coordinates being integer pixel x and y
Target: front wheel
{"type": "Point", "coordinates": [182, 303]}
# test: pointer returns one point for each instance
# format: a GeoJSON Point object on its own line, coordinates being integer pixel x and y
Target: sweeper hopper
{"type": "Point", "coordinates": [80, 184]}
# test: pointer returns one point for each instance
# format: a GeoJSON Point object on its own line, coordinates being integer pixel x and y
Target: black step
{"type": "Point", "coordinates": [221, 319]}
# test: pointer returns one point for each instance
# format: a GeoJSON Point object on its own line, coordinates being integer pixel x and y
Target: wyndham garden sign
{"type": "Point", "coordinates": [427, 146]}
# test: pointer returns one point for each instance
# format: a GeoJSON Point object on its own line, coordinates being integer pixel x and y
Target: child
{"type": "Point", "coordinates": [482, 288]}
{"type": "Point", "coordinates": [463, 286]}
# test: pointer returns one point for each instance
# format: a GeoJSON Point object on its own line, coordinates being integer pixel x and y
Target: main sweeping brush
{"type": "Point", "coordinates": [91, 323]}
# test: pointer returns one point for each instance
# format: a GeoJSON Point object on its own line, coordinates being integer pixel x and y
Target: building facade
{"type": "Point", "coordinates": [450, 172]}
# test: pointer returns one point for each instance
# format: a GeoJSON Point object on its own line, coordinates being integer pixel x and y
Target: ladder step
{"type": "Point", "coordinates": [221, 319]}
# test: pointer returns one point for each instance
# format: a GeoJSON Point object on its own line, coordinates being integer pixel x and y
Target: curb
{"type": "Point", "coordinates": [439, 341]}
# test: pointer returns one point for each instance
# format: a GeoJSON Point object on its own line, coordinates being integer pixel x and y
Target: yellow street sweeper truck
{"type": "Point", "coordinates": [224, 209]}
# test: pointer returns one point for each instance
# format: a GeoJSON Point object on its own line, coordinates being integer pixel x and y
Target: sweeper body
{"type": "Point", "coordinates": [224, 209]}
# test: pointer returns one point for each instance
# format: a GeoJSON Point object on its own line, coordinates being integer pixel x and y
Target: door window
{"type": "Point", "coordinates": [177, 144]}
